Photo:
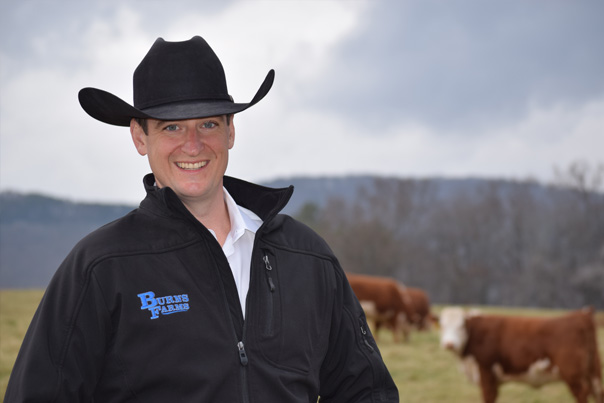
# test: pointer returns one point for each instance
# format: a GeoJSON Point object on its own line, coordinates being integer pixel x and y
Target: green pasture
{"type": "Point", "coordinates": [16, 311]}
{"type": "Point", "coordinates": [421, 370]}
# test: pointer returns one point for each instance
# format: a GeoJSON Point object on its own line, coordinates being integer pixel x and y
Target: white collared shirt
{"type": "Point", "coordinates": [239, 243]}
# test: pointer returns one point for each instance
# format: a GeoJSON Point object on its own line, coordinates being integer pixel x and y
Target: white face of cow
{"type": "Point", "coordinates": [453, 333]}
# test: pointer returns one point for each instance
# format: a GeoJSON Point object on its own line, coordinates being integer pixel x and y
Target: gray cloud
{"type": "Point", "coordinates": [465, 64]}
{"type": "Point", "coordinates": [457, 88]}
{"type": "Point", "coordinates": [27, 28]}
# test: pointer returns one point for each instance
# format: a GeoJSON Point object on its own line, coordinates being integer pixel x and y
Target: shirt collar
{"type": "Point", "coordinates": [242, 219]}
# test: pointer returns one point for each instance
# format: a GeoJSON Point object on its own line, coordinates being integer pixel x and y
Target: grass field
{"type": "Point", "coordinates": [422, 371]}
{"type": "Point", "coordinates": [16, 311]}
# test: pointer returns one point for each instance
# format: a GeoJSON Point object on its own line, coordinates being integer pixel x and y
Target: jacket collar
{"type": "Point", "coordinates": [264, 201]}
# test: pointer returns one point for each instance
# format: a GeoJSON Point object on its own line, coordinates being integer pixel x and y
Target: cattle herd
{"type": "Point", "coordinates": [492, 349]}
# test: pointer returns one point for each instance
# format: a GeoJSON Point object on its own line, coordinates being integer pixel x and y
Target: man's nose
{"type": "Point", "coordinates": [193, 142]}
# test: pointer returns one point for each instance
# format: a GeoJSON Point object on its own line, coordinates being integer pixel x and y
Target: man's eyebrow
{"type": "Point", "coordinates": [159, 123]}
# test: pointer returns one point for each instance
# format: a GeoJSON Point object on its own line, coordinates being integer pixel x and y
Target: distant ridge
{"type": "Point", "coordinates": [319, 190]}
{"type": "Point", "coordinates": [37, 231]}
{"type": "Point", "coordinates": [15, 207]}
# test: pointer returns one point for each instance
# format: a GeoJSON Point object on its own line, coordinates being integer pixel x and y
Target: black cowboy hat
{"type": "Point", "coordinates": [174, 81]}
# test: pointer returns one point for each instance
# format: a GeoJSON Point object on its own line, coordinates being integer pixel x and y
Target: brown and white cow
{"type": "Point", "coordinates": [522, 349]}
{"type": "Point", "coordinates": [420, 306]}
{"type": "Point", "coordinates": [419, 315]}
{"type": "Point", "coordinates": [383, 301]}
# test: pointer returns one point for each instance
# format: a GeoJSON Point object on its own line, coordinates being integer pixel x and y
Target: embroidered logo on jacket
{"type": "Point", "coordinates": [163, 305]}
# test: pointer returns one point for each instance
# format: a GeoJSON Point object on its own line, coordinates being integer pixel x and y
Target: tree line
{"type": "Point", "coordinates": [501, 242]}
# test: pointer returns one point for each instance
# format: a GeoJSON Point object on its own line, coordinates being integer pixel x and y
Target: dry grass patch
{"type": "Point", "coordinates": [17, 308]}
{"type": "Point", "coordinates": [422, 371]}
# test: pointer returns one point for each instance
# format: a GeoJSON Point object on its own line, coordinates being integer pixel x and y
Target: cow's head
{"type": "Point", "coordinates": [453, 332]}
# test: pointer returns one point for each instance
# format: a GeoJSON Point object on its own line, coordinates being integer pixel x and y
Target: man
{"type": "Point", "coordinates": [204, 293]}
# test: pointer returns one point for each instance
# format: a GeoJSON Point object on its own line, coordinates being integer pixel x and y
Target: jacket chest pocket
{"type": "Point", "coordinates": [292, 310]}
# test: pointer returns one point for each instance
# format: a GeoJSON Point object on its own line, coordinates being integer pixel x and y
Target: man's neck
{"type": "Point", "coordinates": [213, 214]}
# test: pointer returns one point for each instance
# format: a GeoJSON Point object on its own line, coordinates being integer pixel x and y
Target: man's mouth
{"type": "Point", "coordinates": [191, 165]}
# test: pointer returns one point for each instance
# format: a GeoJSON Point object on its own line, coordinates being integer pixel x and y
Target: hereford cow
{"type": "Point", "coordinates": [420, 306]}
{"type": "Point", "coordinates": [386, 301]}
{"type": "Point", "coordinates": [531, 350]}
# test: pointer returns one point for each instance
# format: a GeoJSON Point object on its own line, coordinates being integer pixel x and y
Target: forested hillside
{"type": "Point", "coordinates": [37, 232]}
{"type": "Point", "coordinates": [466, 241]}
{"type": "Point", "coordinates": [496, 242]}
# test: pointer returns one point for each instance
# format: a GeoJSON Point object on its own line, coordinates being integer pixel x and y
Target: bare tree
{"type": "Point", "coordinates": [494, 242]}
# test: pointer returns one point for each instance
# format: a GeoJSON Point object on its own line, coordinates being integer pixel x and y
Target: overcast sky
{"type": "Point", "coordinates": [496, 89]}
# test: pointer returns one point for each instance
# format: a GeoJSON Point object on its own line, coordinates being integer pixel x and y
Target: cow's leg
{"type": "Point", "coordinates": [579, 388]}
{"type": "Point", "coordinates": [488, 384]}
{"type": "Point", "coordinates": [579, 391]}
{"type": "Point", "coordinates": [597, 391]}
{"type": "Point", "coordinates": [371, 321]}
{"type": "Point", "coordinates": [394, 323]}
{"type": "Point", "coordinates": [378, 324]}
{"type": "Point", "coordinates": [404, 324]}
{"type": "Point", "coordinates": [575, 376]}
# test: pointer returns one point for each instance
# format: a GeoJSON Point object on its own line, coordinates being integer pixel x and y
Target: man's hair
{"type": "Point", "coordinates": [143, 122]}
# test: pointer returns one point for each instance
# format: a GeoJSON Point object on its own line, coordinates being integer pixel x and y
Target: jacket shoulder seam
{"type": "Point", "coordinates": [140, 252]}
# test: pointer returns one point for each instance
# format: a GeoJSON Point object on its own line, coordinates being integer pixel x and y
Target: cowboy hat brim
{"type": "Point", "coordinates": [110, 109]}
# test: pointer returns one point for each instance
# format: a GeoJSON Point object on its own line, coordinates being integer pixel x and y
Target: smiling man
{"type": "Point", "coordinates": [205, 293]}
{"type": "Point", "coordinates": [190, 157]}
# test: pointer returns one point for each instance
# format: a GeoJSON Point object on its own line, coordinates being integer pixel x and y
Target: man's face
{"type": "Point", "coordinates": [189, 156]}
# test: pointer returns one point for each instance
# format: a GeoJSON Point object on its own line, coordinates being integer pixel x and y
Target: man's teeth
{"type": "Point", "coordinates": [191, 165]}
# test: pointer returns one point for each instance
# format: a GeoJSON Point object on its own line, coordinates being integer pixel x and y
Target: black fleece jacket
{"type": "Point", "coordinates": [145, 309]}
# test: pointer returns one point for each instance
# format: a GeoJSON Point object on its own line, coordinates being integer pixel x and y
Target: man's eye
{"type": "Point", "coordinates": [171, 128]}
{"type": "Point", "coordinates": [208, 125]}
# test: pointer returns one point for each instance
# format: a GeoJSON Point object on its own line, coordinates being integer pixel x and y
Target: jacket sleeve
{"type": "Point", "coordinates": [353, 370]}
{"type": "Point", "coordinates": [61, 356]}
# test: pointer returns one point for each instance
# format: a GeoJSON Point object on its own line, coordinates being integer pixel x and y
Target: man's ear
{"type": "Point", "coordinates": [231, 128]}
{"type": "Point", "coordinates": [138, 137]}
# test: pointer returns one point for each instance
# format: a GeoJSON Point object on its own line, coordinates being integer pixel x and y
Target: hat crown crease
{"type": "Point", "coordinates": [179, 71]}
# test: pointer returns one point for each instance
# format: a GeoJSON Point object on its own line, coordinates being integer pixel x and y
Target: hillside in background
{"type": "Point", "coordinates": [464, 240]}
{"type": "Point", "coordinates": [37, 232]}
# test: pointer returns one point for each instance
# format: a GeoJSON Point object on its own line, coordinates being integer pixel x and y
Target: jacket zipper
{"type": "Point", "coordinates": [364, 335]}
{"type": "Point", "coordinates": [242, 353]}
{"type": "Point", "coordinates": [271, 286]}
{"type": "Point", "coordinates": [269, 268]}
{"type": "Point", "coordinates": [243, 360]}
{"type": "Point", "coordinates": [379, 368]}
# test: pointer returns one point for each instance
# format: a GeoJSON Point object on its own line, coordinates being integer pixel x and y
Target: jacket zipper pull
{"type": "Point", "coordinates": [364, 333]}
{"type": "Point", "coordinates": [268, 273]}
{"type": "Point", "coordinates": [242, 353]}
